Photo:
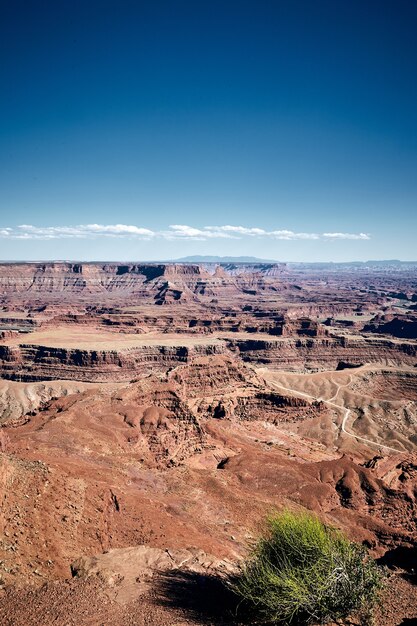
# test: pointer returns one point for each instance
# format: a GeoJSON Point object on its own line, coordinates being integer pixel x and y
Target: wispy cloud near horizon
{"type": "Point", "coordinates": [346, 236]}
{"type": "Point", "coordinates": [173, 232]}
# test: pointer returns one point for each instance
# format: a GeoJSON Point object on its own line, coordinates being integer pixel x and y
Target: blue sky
{"type": "Point", "coordinates": [153, 130]}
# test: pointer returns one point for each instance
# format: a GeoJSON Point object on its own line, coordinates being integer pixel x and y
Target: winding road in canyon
{"type": "Point", "coordinates": [346, 411]}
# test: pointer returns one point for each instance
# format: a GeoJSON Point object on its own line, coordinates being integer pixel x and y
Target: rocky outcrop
{"type": "Point", "coordinates": [163, 430]}
{"type": "Point", "coordinates": [215, 375]}
{"type": "Point", "coordinates": [222, 387]}
{"type": "Point", "coordinates": [8, 334]}
{"type": "Point", "coordinates": [18, 401]}
{"type": "Point", "coordinates": [316, 354]}
{"type": "Point", "coordinates": [251, 406]}
{"type": "Point", "coordinates": [276, 408]}
{"type": "Point", "coordinates": [401, 326]}
{"type": "Point", "coordinates": [133, 569]}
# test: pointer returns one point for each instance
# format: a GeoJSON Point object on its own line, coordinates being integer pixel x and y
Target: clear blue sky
{"type": "Point", "coordinates": [145, 130]}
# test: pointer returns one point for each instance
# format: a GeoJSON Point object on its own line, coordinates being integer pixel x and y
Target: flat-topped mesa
{"type": "Point", "coordinates": [181, 269]}
{"type": "Point", "coordinates": [118, 359]}
{"type": "Point", "coordinates": [302, 327]}
{"type": "Point", "coordinates": [139, 280]}
{"type": "Point", "coordinates": [95, 355]}
{"type": "Point", "coordinates": [266, 269]}
{"type": "Point", "coordinates": [75, 277]}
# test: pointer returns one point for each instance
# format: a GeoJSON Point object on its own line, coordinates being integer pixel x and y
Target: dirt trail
{"type": "Point", "coordinates": [346, 411]}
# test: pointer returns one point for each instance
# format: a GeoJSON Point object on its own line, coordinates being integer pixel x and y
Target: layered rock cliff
{"type": "Point", "coordinates": [40, 361]}
{"type": "Point", "coordinates": [145, 280]}
{"type": "Point", "coordinates": [318, 353]}
{"type": "Point", "coordinates": [28, 362]}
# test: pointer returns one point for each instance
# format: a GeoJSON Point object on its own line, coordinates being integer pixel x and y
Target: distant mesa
{"type": "Point", "coordinates": [384, 264]}
{"type": "Point", "coordinates": [222, 259]}
{"type": "Point", "coordinates": [314, 265]}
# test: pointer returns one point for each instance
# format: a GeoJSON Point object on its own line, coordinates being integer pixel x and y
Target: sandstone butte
{"type": "Point", "coordinates": [151, 415]}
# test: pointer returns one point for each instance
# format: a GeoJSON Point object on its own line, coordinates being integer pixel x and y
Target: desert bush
{"type": "Point", "coordinates": [301, 571]}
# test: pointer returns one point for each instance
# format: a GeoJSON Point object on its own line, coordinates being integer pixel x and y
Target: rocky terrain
{"type": "Point", "coordinates": [152, 415]}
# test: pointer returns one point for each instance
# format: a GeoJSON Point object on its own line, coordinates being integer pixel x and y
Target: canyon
{"type": "Point", "coordinates": [152, 415]}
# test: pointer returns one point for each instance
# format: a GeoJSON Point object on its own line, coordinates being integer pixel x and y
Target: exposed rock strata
{"type": "Point", "coordinates": [323, 353]}
{"type": "Point", "coordinates": [26, 362]}
{"type": "Point", "coordinates": [31, 362]}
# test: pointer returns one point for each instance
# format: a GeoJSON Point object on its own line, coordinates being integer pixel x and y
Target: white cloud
{"type": "Point", "coordinates": [363, 236]}
{"type": "Point", "coordinates": [83, 230]}
{"type": "Point", "coordinates": [259, 232]}
{"type": "Point", "coordinates": [174, 231]}
{"type": "Point", "coordinates": [182, 231]}
{"type": "Point", "coordinates": [186, 231]}
{"type": "Point", "coordinates": [289, 235]}
{"type": "Point", "coordinates": [239, 230]}
{"type": "Point", "coordinates": [118, 229]}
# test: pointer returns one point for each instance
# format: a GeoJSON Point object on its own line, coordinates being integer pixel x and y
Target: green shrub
{"type": "Point", "coordinates": [302, 571]}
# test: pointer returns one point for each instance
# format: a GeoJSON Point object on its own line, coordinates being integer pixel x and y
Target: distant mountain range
{"type": "Point", "coordinates": [317, 265]}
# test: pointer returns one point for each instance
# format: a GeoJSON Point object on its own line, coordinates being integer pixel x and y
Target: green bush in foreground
{"type": "Point", "coordinates": [302, 571]}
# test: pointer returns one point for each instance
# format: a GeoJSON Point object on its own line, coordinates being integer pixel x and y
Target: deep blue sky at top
{"type": "Point", "coordinates": [298, 115]}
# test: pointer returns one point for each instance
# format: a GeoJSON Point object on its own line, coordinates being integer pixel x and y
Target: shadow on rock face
{"type": "Point", "coordinates": [409, 621]}
{"type": "Point", "coordinates": [204, 597]}
{"type": "Point", "coordinates": [403, 558]}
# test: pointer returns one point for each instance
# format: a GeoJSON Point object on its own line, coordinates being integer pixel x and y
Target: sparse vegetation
{"type": "Point", "coordinates": [302, 571]}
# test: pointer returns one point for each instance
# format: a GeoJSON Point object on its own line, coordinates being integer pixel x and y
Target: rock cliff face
{"type": "Point", "coordinates": [255, 294]}
{"type": "Point", "coordinates": [144, 280]}
{"type": "Point", "coordinates": [186, 321]}
{"type": "Point", "coordinates": [323, 353]}
{"type": "Point", "coordinates": [27, 362]}
{"type": "Point", "coordinates": [36, 362]}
